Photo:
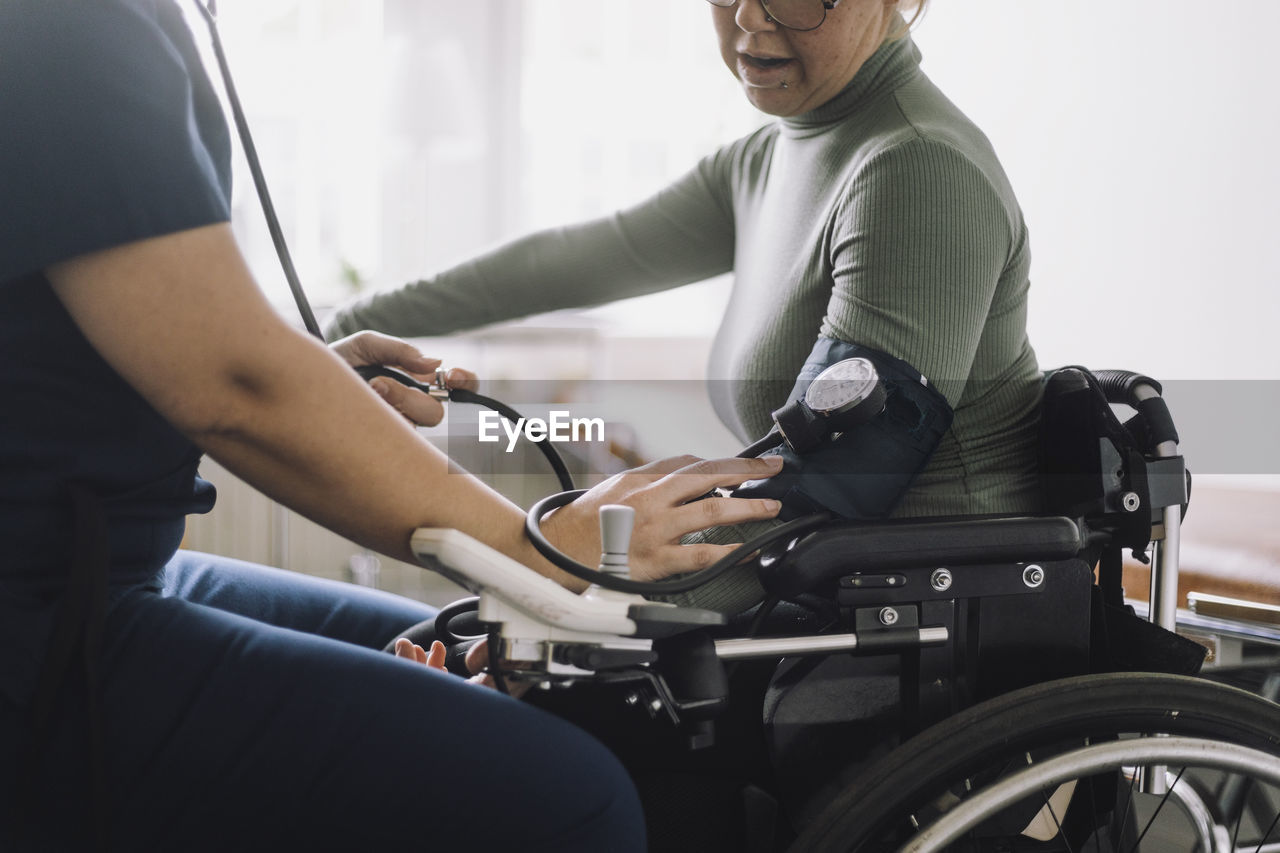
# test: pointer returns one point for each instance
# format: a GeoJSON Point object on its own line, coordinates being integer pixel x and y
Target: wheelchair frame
{"type": "Point", "coordinates": [952, 597]}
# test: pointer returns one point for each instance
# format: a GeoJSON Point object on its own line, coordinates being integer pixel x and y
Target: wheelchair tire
{"type": "Point", "coordinates": [877, 811]}
{"type": "Point", "coordinates": [1036, 783]}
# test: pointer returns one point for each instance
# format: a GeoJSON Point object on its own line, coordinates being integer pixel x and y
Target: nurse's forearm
{"type": "Point", "coordinates": [340, 456]}
{"type": "Point", "coordinates": [180, 318]}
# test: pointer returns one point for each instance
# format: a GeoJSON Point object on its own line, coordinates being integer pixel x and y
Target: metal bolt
{"type": "Point", "coordinates": [888, 616]}
{"type": "Point", "coordinates": [632, 699]}
{"type": "Point", "coordinates": [940, 580]}
{"type": "Point", "coordinates": [1131, 501]}
{"type": "Point", "coordinates": [1033, 576]}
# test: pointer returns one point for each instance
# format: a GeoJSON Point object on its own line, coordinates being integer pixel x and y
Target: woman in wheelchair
{"type": "Point", "coordinates": [872, 212]}
{"type": "Point", "coordinates": [871, 220]}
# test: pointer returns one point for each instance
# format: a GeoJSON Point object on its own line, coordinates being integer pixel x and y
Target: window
{"type": "Point", "coordinates": [399, 136]}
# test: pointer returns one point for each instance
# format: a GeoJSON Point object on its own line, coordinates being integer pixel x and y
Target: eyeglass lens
{"type": "Point", "coordinates": [797, 14]}
{"type": "Point", "coordinates": [793, 14]}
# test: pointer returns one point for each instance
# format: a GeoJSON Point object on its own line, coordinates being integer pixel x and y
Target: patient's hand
{"type": "Point", "coordinates": [668, 497]}
{"type": "Point", "coordinates": [406, 648]}
{"type": "Point", "coordinates": [365, 348]}
{"type": "Point", "coordinates": [477, 659]}
{"type": "Point", "coordinates": [477, 662]}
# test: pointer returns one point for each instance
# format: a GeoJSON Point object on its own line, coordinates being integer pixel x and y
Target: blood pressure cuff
{"type": "Point", "coordinates": [863, 472]}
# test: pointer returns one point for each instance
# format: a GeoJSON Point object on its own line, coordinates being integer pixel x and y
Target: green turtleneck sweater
{"type": "Point", "coordinates": [881, 218]}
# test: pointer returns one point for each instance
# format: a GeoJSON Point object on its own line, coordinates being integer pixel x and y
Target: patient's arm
{"type": "Point", "coordinates": [680, 235]}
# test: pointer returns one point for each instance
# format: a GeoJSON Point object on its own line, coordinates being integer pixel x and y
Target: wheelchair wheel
{"type": "Point", "coordinates": [1039, 782]}
{"type": "Point", "coordinates": [944, 768]}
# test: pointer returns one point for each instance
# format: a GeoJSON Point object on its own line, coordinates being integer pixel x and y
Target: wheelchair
{"type": "Point", "coordinates": [963, 684]}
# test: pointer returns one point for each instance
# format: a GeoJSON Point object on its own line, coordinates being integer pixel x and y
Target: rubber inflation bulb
{"type": "Point", "coordinates": [616, 522]}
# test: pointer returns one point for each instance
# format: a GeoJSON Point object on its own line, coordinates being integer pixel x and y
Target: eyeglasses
{"type": "Point", "coordinates": [793, 14]}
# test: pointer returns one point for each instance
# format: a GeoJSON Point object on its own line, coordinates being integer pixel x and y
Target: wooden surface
{"type": "Point", "coordinates": [1230, 546]}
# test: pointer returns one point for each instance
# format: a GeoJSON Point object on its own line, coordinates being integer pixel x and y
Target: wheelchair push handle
{"type": "Point", "coordinates": [1143, 394]}
{"type": "Point", "coordinates": [1124, 386]}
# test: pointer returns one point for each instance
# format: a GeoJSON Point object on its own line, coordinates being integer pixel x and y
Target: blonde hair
{"type": "Point", "coordinates": [906, 23]}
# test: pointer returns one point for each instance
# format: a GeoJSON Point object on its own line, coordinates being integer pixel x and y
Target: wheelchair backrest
{"type": "Point", "coordinates": [1097, 468]}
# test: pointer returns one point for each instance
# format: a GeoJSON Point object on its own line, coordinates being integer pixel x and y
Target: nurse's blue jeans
{"type": "Point", "coordinates": [250, 708]}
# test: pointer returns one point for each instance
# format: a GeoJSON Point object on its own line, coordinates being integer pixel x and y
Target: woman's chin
{"type": "Point", "coordinates": [775, 101]}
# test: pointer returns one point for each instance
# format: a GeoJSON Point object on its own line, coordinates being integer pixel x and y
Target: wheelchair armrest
{"type": "Point", "coordinates": [849, 547]}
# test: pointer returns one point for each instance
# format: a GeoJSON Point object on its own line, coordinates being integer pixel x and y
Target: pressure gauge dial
{"type": "Point", "coordinates": [841, 397]}
{"type": "Point", "coordinates": [844, 387]}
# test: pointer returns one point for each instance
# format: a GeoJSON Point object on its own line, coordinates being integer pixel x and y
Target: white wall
{"type": "Point", "coordinates": [1142, 138]}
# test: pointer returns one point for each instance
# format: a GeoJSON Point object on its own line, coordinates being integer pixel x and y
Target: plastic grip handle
{"type": "Point", "coordinates": [1119, 386]}
{"type": "Point", "coordinates": [1122, 386]}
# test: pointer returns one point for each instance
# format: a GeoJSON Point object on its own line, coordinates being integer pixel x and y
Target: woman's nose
{"type": "Point", "coordinates": [751, 17]}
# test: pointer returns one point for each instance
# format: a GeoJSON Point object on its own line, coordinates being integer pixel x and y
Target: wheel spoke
{"type": "Point", "coordinates": [1128, 804]}
{"type": "Point", "coordinates": [1156, 813]}
{"type": "Point", "coordinates": [1266, 834]}
{"type": "Point", "coordinates": [1093, 800]}
{"type": "Point", "coordinates": [1235, 833]}
{"type": "Point", "coordinates": [1056, 823]}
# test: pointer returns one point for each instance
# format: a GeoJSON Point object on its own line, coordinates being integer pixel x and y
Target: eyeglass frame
{"type": "Point", "coordinates": [827, 6]}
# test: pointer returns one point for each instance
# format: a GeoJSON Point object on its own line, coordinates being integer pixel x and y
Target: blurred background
{"type": "Point", "coordinates": [401, 136]}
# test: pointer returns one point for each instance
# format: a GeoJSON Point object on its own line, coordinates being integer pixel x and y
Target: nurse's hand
{"type": "Point", "coordinates": [667, 496]}
{"type": "Point", "coordinates": [365, 348]}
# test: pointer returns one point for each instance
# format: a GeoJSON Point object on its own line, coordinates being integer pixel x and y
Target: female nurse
{"type": "Point", "coordinates": [152, 699]}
